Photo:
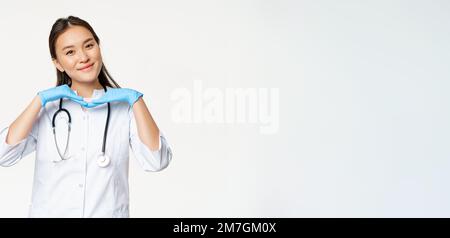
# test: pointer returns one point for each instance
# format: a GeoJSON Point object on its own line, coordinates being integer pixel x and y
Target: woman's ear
{"type": "Point", "coordinates": [57, 65]}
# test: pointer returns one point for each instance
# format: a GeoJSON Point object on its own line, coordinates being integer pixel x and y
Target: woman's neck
{"type": "Point", "coordinates": [85, 90]}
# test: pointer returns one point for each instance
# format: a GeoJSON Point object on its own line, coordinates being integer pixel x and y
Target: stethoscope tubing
{"type": "Point", "coordinates": [103, 156]}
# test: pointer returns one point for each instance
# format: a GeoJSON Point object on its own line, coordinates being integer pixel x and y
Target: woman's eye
{"type": "Point", "coordinates": [69, 52]}
{"type": "Point", "coordinates": [90, 45]}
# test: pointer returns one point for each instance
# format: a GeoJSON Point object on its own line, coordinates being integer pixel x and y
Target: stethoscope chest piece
{"type": "Point", "coordinates": [103, 160]}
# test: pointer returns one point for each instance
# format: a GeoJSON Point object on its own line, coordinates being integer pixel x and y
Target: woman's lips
{"type": "Point", "coordinates": [87, 68]}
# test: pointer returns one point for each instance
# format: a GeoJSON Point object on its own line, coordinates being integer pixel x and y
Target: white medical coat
{"type": "Point", "coordinates": [78, 187]}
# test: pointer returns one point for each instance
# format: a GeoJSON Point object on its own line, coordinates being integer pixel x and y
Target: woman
{"type": "Point", "coordinates": [81, 170]}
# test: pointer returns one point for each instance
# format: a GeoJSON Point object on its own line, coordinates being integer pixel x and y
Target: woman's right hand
{"type": "Point", "coordinates": [58, 92]}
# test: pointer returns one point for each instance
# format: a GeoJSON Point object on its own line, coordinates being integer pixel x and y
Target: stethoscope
{"type": "Point", "coordinates": [102, 160]}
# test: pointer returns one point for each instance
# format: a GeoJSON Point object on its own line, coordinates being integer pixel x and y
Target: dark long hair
{"type": "Point", "coordinates": [58, 28]}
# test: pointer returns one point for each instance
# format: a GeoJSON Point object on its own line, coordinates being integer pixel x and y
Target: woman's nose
{"type": "Point", "coordinates": [83, 56]}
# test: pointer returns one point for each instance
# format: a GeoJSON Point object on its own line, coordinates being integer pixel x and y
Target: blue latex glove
{"type": "Point", "coordinates": [56, 93]}
{"type": "Point", "coordinates": [117, 95]}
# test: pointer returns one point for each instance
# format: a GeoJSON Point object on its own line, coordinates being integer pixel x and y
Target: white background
{"type": "Point", "coordinates": [364, 103]}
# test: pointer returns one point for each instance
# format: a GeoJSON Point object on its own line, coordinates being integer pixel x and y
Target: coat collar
{"type": "Point", "coordinates": [97, 93]}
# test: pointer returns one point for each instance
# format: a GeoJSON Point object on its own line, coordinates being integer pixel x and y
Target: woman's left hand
{"type": "Point", "coordinates": [117, 95]}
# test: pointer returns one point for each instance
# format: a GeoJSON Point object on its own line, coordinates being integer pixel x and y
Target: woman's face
{"type": "Point", "coordinates": [78, 54]}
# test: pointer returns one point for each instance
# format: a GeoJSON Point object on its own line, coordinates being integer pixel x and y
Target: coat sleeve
{"type": "Point", "coordinates": [12, 154]}
{"type": "Point", "coordinates": [149, 160]}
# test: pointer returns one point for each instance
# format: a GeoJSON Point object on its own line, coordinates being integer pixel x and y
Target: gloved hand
{"type": "Point", "coordinates": [58, 92]}
{"type": "Point", "coordinates": [117, 95]}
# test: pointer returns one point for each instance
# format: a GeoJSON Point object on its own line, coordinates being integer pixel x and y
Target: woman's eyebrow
{"type": "Point", "coordinates": [70, 46]}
